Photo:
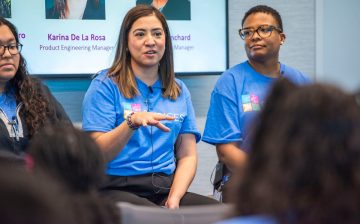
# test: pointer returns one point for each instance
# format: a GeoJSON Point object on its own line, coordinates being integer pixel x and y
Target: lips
{"type": "Point", "coordinates": [151, 52]}
{"type": "Point", "coordinates": [7, 66]}
{"type": "Point", "coordinates": [256, 46]}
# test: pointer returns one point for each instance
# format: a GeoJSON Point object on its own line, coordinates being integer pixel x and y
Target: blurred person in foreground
{"type": "Point", "coordinates": [305, 159]}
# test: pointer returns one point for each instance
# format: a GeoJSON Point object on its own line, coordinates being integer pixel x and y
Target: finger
{"type": "Point", "coordinates": [169, 118]}
{"type": "Point", "coordinates": [144, 123]}
{"type": "Point", "coordinates": [153, 122]}
{"type": "Point", "coordinates": [161, 117]}
{"type": "Point", "coordinates": [162, 127]}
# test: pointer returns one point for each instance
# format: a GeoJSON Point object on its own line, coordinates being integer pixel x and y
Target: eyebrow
{"type": "Point", "coordinates": [251, 27]}
{"type": "Point", "coordinates": [142, 29]}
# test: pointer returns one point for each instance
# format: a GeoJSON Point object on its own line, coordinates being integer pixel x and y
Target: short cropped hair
{"type": "Point", "coordinates": [264, 9]}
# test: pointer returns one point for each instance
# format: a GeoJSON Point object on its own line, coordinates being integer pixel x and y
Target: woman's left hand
{"type": "Point", "coordinates": [172, 203]}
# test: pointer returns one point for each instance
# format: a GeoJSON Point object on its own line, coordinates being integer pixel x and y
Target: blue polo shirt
{"type": "Point", "coordinates": [253, 219]}
{"type": "Point", "coordinates": [8, 104]}
{"type": "Point", "coordinates": [149, 149]}
{"type": "Point", "coordinates": [238, 96]}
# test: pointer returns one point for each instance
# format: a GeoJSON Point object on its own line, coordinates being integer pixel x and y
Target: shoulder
{"type": "Point", "coordinates": [180, 83]}
{"type": "Point", "coordinates": [294, 75]}
{"type": "Point", "coordinates": [102, 84]}
{"type": "Point", "coordinates": [183, 88]}
{"type": "Point", "coordinates": [38, 85]}
{"type": "Point", "coordinates": [231, 78]}
{"type": "Point", "coordinates": [101, 74]}
{"type": "Point", "coordinates": [235, 73]}
{"type": "Point", "coordinates": [102, 78]}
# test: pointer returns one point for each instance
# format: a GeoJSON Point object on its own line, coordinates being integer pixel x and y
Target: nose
{"type": "Point", "coordinates": [150, 41]}
{"type": "Point", "coordinates": [255, 36]}
{"type": "Point", "coordinates": [6, 52]}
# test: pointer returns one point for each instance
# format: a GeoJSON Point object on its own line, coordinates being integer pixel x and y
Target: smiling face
{"type": "Point", "coordinates": [9, 64]}
{"type": "Point", "coordinates": [258, 48]}
{"type": "Point", "coordinates": [146, 43]}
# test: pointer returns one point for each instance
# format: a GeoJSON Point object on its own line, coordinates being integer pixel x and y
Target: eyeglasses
{"type": "Point", "coordinates": [263, 31]}
{"type": "Point", "coordinates": [12, 48]}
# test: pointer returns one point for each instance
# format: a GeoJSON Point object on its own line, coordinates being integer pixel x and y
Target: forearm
{"type": "Point", "coordinates": [112, 142]}
{"type": "Point", "coordinates": [184, 175]}
{"type": "Point", "coordinates": [231, 155]}
{"type": "Point", "coordinates": [185, 169]}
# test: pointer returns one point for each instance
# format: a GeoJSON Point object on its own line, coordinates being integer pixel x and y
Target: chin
{"type": "Point", "coordinates": [258, 58]}
{"type": "Point", "coordinates": [6, 76]}
{"type": "Point", "coordinates": [150, 65]}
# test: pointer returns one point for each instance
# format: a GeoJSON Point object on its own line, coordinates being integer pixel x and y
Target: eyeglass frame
{"type": "Point", "coordinates": [18, 47]}
{"type": "Point", "coordinates": [257, 31]}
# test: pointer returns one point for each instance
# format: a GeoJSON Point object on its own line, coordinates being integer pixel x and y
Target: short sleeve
{"type": "Point", "coordinates": [189, 124]}
{"type": "Point", "coordinates": [99, 107]}
{"type": "Point", "coordinates": [222, 122]}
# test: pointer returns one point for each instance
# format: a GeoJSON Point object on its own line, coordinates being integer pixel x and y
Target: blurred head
{"type": "Point", "coordinates": [69, 155]}
{"type": "Point", "coordinates": [305, 157]}
{"type": "Point", "coordinates": [95, 209]}
{"type": "Point", "coordinates": [32, 199]}
{"type": "Point", "coordinates": [144, 40]}
{"type": "Point", "coordinates": [262, 31]}
{"type": "Point", "coordinates": [10, 57]}
{"type": "Point", "coordinates": [11, 159]}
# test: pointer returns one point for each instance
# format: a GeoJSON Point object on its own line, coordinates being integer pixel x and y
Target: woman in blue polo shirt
{"type": "Point", "coordinates": [143, 119]}
{"type": "Point", "coordinates": [26, 104]}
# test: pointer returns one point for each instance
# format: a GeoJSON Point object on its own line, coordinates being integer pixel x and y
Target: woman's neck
{"type": "Point", "coordinates": [148, 75]}
{"type": "Point", "coordinates": [2, 87]}
{"type": "Point", "coordinates": [76, 9]}
{"type": "Point", "coordinates": [270, 68]}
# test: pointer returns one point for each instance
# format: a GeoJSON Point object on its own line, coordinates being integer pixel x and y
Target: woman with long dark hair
{"type": "Point", "coordinates": [26, 105]}
{"type": "Point", "coordinates": [143, 119]}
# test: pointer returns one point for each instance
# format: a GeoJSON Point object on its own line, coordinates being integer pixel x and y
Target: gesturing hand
{"type": "Point", "coordinates": [150, 118]}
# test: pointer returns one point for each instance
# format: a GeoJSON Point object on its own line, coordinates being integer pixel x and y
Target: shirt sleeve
{"type": "Point", "coordinates": [189, 123]}
{"type": "Point", "coordinates": [99, 107]}
{"type": "Point", "coordinates": [222, 122]}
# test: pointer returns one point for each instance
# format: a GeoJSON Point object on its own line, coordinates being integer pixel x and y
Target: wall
{"type": "Point", "coordinates": [337, 43]}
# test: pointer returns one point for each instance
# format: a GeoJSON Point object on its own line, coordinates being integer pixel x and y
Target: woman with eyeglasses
{"type": "Point", "coordinates": [241, 91]}
{"type": "Point", "coordinates": [26, 105]}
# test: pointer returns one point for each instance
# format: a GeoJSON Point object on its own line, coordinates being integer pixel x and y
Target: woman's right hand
{"type": "Point", "coordinates": [150, 118]}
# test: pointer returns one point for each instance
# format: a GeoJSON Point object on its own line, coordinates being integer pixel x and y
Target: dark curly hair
{"type": "Point", "coordinates": [305, 159]}
{"type": "Point", "coordinates": [29, 91]}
